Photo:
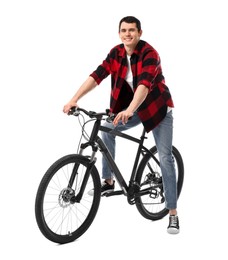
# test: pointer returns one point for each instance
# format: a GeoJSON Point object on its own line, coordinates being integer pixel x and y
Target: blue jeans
{"type": "Point", "coordinates": [163, 135]}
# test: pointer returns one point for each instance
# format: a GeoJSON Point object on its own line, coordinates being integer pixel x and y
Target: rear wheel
{"type": "Point", "coordinates": [61, 215]}
{"type": "Point", "coordinates": [152, 204]}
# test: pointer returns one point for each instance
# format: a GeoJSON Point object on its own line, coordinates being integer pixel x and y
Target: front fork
{"type": "Point", "coordinates": [92, 161]}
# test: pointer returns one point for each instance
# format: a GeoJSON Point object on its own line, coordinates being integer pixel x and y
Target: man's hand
{"type": "Point", "coordinates": [122, 116]}
{"type": "Point", "coordinates": [68, 106]}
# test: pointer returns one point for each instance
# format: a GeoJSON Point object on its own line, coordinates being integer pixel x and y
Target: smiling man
{"type": "Point", "coordinates": [138, 90]}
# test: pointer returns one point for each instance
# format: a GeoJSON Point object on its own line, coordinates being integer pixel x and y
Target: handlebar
{"type": "Point", "coordinates": [75, 111]}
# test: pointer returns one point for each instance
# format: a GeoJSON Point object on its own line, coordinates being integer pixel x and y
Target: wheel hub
{"type": "Point", "coordinates": [65, 197]}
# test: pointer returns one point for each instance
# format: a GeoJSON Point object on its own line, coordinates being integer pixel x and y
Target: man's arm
{"type": "Point", "coordinates": [139, 96]}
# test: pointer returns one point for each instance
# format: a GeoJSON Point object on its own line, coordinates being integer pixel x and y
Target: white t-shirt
{"type": "Point", "coordinates": [129, 76]}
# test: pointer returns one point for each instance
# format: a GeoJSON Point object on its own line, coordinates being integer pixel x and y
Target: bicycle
{"type": "Point", "coordinates": [64, 210]}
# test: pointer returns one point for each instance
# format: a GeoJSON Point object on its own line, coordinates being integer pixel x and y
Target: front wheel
{"type": "Point", "coordinates": [61, 214]}
{"type": "Point", "coordinates": [151, 204]}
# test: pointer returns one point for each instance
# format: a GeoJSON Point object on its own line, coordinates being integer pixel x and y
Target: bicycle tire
{"type": "Point", "coordinates": [58, 220]}
{"type": "Point", "coordinates": [150, 208]}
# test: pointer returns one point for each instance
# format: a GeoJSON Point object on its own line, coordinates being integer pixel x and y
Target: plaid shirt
{"type": "Point", "coordinates": [146, 70]}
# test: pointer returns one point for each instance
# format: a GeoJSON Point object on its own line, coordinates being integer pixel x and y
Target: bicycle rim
{"type": "Point", "coordinates": [58, 218]}
{"type": "Point", "coordinates": [152, 205]}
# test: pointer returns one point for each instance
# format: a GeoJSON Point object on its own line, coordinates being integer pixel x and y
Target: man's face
{"type": "Point", "coordinates": [129, 34]}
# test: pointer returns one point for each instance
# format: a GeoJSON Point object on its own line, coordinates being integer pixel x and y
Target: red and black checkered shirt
{"type": "Point", "coordinates": [146, 70]}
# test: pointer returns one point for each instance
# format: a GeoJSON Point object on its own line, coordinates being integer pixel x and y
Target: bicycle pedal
{"type": "Point", "coordinates": [153, 194]}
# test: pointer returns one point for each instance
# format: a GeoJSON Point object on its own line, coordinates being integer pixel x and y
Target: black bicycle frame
{"type": "Point", "coordinates": [96, 142]}
{"type": "Point", "coordinates": [141, 151]}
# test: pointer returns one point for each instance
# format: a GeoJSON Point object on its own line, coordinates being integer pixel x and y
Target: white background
{"type": "Point", "coordinates": [47, 49]}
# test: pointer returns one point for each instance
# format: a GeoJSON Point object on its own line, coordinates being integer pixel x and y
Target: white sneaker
{"type": "Point", "coordinates": [173, 227]}
{"type": "Point", "coordinates": [105, 188]}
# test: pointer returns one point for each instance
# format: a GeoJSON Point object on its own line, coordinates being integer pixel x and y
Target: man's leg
{"type": "Point", "coordinates": [110, 142]}
{"type": "Point", "coordinates": [163, 135]}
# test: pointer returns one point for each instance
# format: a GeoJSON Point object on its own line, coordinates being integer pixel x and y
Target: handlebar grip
{"type": "Point", "coordinates": [73, 111]}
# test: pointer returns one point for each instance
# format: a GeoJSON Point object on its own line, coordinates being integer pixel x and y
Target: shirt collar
{"type": "Point", "coordinates": [138, 47]}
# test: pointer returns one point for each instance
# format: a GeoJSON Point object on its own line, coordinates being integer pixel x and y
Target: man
{"type": "Point", "coordinates": [138, 91]}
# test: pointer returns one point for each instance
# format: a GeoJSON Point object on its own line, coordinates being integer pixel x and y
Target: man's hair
{"type": "Point", "coordinates": [131, 19]}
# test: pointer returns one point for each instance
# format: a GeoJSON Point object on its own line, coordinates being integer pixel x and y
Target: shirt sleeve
{"type": "Point", "coordinates": [150, 69]}
{"type": "Point", "coordinates": [102, 70]}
